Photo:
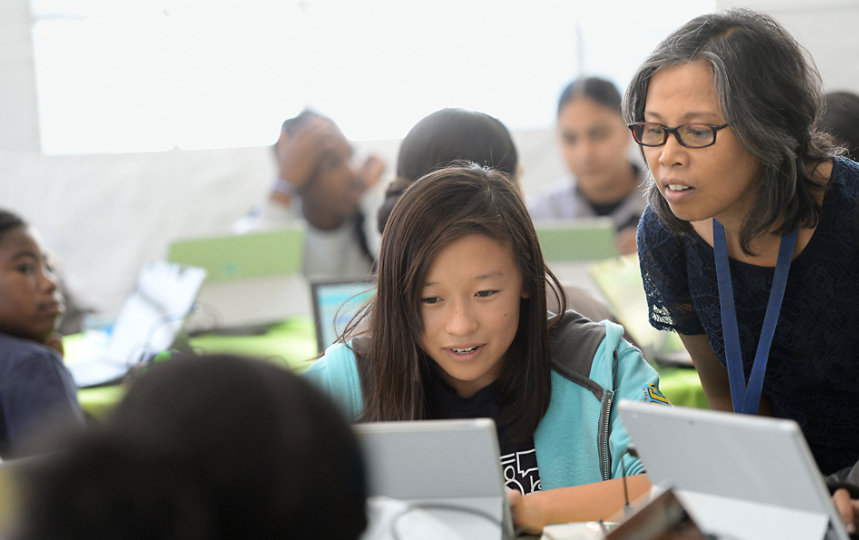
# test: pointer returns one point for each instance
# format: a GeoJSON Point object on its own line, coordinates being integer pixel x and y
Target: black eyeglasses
{"type": "Point", "coordinates": [688, 135]}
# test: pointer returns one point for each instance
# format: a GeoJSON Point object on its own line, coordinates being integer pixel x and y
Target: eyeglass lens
{"type": "Point", "coordinates": [692, 135]}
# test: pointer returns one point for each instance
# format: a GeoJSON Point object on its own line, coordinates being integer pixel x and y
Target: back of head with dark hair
{"type": "Point", "coordinates": [597, 89]}
{"type": "Point", "coordinates": [9, 221]}
{"type": "Point", "coordinates": [445, 137]}
{"type": "Point", "coordinates": [207, 447]}
{"type": "Point", "coordinates": [840, 119]}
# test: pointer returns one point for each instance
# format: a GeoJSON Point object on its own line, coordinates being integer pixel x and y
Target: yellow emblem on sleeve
{"type": "Point", "coordinates": [652, 393]}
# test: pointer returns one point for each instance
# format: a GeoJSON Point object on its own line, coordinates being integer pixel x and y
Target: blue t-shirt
{"type": "Point", "coordinates": [813, 370]}
{"type": "Point", "coordinates": [36, 393]}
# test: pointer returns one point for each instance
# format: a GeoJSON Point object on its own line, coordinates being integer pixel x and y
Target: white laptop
{"type": "Point", "coordinates": [448, 468]}
{"type": "Point", "coordinates": [254, 279]}
{"type": "Point", "coordinates": [740, 477]}
{"type": "Point", "coordinates": [335, 303]}
{"type": "Point", "coordinates": [148, 322]}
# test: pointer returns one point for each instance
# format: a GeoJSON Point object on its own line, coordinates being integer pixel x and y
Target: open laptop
{"type": "Point", "coordinates": [619, 281]}
{"type": "Point", "coordinates": [334, 305]}
{"type": "Point", "coordinates": [739, 476]}
{"type": "Point", "coordinates": [254, 279]}
{"type": "Point", "coordinates": [585, 239]}
{"type": "Point", "coordinates": [148, 322]}
{"type": "Point", "coordinates": [448, 468]}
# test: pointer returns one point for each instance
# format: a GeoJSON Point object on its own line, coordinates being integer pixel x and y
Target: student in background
{"type": "Point", "coordinates": [458, 329]}
{"type": "Point", "coordinates": [37, 393]}
{"type": "Point", "coordinates": [210, 447]}
{"type": "Point", "coordinates": [449, 136]}
{"type": "Point", "coordinates": [319, 186]}
{"type": "Point", "coordinates": [744, 189]}
{"type": "Point", "coordinates": [595, 144]}
{"type": "Point", "coordinates": [445, 137]}
{"type": "Point", "coordinates": [840, 119]}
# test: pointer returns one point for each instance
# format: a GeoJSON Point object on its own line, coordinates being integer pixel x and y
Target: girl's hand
{"type": "Point", "coordinates": [527, 516]}
{"type": "Point", "coordinates": [847, 507]}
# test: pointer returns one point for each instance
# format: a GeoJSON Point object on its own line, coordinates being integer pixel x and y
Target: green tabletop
{"type": "Point", "coordinates": [682, 387]}
{"type": "Point", "coordinates": [291, 344]}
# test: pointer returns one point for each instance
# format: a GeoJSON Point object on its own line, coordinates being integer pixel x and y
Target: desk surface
{"type": "Point", "coordinates": [293, 345]}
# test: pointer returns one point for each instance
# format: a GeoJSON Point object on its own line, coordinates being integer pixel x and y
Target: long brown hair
{"type": "Point", "coordinates": [438, 209]}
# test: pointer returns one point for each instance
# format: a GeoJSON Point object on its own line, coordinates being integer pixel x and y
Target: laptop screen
{"type": "Point", "coordinates": [235, 257]}
{"type": "Point", "coordinates": [757, 470]}
{"type": "Point", "coordinates": [447, 468]}
{"type": "Point", "coordinates": [577, 240]}
{"type": "Point", "coordinates": [335, 303]}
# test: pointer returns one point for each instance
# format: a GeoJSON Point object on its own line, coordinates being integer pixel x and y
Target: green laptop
{"type": "Point", "coordinates": [237, 257]}
{"type": "Point", "coordinates": [254, 279]}
{"type": "Point", "coordinates": [590, 239]}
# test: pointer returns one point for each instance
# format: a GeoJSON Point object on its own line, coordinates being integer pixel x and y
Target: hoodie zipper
{"type": "Point", "coordinates": [605, 419]}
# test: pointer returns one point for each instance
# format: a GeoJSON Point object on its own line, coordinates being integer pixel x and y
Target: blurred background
{"type": "Point", "coordinates": [129, 124]}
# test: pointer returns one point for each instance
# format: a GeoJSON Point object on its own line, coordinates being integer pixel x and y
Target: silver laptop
{"type": "Point", "coordinates": [148, 322]}
{"type": "Point", "coordinates": [449, 468]}
{"type": "Point", "coordinates": [738, 476]}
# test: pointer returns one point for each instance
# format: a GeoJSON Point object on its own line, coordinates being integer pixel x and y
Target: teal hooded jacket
{"type": "Point", "coordinates": [580, 439]}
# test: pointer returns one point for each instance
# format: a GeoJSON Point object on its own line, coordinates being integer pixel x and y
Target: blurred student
{"type": "Point", "coordinates": [210, 447]}
{"type": "Point", "coordinates": [37, 393]}
{"type": "Point", "coordinates": [749, 248]}
{"type": "Point", "coordinates": [458, 328]}
{"type": "Point", "coordinates": [319, 186]}
{"type": "Point", "coordinates": [840, 118]}
{"type": "Point", "coordinates": [595, 143]}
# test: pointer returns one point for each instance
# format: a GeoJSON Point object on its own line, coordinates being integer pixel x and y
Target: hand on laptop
{"type": "Point", "coordinates": [848, 508]}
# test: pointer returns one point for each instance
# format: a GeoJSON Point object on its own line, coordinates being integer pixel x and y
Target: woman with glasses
{"type": "Point", "coordinates": [749, 247]}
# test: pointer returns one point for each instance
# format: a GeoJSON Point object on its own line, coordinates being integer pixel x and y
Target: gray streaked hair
{"type": "Point", "coordinates": [769, 91]}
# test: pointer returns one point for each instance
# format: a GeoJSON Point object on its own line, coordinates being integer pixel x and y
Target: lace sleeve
{"type": "Point", "coordinates": [662, 257]}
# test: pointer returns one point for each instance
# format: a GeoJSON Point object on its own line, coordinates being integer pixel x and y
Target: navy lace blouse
{"type": "Point", "coordinates": [813, 370]}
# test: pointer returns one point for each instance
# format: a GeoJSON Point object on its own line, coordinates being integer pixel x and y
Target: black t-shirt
{"type": "Point", "coordinates": [518, 458]}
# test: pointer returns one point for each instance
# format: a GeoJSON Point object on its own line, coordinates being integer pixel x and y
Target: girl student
{"type": "Point", "coordinates": [601, 178]}
{"type": "Point", "coordinates": [458, 328]}
{"type": "Point", "coordinates": [749, 248]}
{"type": "Point", "coordinates": [37, 392]}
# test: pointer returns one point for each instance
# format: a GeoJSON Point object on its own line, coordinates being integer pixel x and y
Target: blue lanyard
{"type": "Point", "coordinates": [747, 399]}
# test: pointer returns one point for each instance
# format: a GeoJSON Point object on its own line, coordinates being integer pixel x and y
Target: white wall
{"type": "Point", "coordinates": [827, 28]}
{"type": "Point", "coordinates": [106, 215]}
{"type": "Point", "coordinates": [17, 79]}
